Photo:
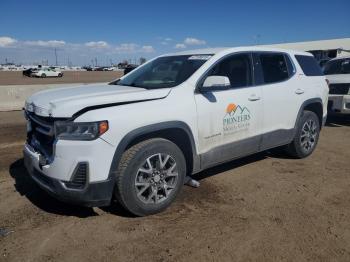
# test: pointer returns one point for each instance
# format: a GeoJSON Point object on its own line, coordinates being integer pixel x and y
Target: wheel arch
{"type": "Point", "coordinates": [314, 105]}
{"type": "Point", "coordinates": [176, 131]}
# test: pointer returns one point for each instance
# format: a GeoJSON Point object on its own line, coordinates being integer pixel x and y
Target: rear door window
{"type": "Point", "coordinates": [309, 65]}
{"type": "Point", "coordinates": [274, 67]}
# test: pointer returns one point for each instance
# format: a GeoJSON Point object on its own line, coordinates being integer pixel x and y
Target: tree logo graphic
{"type": "Point", "coordinates": [237, 118]}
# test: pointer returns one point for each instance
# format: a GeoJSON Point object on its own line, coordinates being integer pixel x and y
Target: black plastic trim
{"type": "Point", "coordinates": [276, 138]}
{"type": "Point", "coordinates": [305, 104]}
{"type": "Point", "coordinates": [149, 129]}
{"type": "Point", "coordinates": [73, 184]}
{"type": "Point", "coordinates": [231, 151]}
{"type": "Point", "coordinates": [93, 195]}
{"type": "Point", "coordinates": [245, 147]}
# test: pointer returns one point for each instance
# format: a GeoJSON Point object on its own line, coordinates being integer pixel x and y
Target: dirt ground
{"type": "Point", "coordinates": [16, 78]}
{"type": "Point", "coordinates": [265, 207]}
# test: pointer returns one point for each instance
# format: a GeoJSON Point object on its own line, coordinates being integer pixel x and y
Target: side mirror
{"type": "Point", "coordinates": [212, 83]}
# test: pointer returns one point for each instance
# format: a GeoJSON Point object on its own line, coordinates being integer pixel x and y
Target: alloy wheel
{"type": "Point", "coordinates": [156, 178]}
{"type": "Point", "coordinates": [308, 135]}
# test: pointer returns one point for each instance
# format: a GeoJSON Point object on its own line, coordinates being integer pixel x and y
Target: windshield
{"type": "Point", "coordinates": [164, 72]}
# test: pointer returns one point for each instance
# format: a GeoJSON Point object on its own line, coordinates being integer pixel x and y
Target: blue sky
{"type": "Point", "coordinates": [115, 30]}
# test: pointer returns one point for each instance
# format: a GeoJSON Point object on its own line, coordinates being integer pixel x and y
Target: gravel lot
{"type": "Point", "coordinates": [16, 78]}
{"type": "Point", "coordinates": [262, 208]}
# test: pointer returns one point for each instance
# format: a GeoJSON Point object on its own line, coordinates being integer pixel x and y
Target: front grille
{"type": "Point", "coordinates": [41, 136]}
{"type": "Point", "coordinates": [79, 178]}
{"type": "Point", "coordinates": [339, 89]}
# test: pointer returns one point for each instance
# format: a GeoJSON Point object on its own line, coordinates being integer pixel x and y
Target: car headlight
{"type": "Point", "coordinates": [80, 131]}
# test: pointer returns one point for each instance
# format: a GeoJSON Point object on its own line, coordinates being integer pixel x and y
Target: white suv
{"type": "Point", "coordinates": [138, 138]}
{"type": "Point", "coordinates": [337, 72]}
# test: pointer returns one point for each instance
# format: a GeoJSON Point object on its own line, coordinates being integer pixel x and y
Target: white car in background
{"type": "Point", "coordinates": [337, 71]}
{"type": "Point", "coordinates": [47, 72]}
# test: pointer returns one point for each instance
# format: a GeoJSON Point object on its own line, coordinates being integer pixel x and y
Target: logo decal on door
{"type": "Point", "coordinates": [237, 118]}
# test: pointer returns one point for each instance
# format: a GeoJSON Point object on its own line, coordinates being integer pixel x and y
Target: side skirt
{"type": "Point", "coordinates": [249, 146]}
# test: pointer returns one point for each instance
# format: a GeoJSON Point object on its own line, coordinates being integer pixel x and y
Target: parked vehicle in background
{"type": "Point", "coordinates": [337, 71]}
{"type": "Point", "coordinates": [47, 72]}
{"type": "Point", "coordinates": [322, 62]}
{"type": "Point", "coordinates": [129, 68]}
{"type": "Point", "coordinates": [138, 138]}
{"type": "Point", "coordinates": [28, 72]}
{"type": "Point", "coordinates": [87, 68]}
{"type": "Point", "coordinates": [104, 68]}
{"type": "Point", "coordinates": [109, 68]}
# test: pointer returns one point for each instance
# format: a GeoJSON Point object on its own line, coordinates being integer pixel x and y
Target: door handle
{"type": "Point", "coordinates": [299, 91]}
{"type": "Point", "coordinates": [254, 98]}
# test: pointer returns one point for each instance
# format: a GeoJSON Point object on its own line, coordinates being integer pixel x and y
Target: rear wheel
{"type": "Point", "coordinates": [150, 176]}
{"type": "Point", "coordinates": [306, 137]}
{"type": "Point", "coordinates": [43, 75]}
{"type": "Point", "coordinates": [60, 75]}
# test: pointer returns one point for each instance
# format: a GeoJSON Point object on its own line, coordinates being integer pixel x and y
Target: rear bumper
{"type": "Point", "coordinates": [93, 194]}
{"type": "Point", "coordinates": [339, 104]}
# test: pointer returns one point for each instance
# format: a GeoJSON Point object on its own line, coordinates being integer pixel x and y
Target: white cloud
{"type": "Point", "coordinates": [126, 48]}
{"type": "Point", "coordinates": [188, 42]}
{"type": "Point", "coordinates": [133, 48]}
{"type": "Point", "coordinates": [180, 46]}
{"type": "Point", "coordinates": [50, 43]}
{"type": "Point", "coordinates": [6, 41]}
{"type": "Point", "coordinates": [29, 51]}
{"type": "Point", "coordinates": [147, 49]}
{"type": "Point", "coordinates": [98, 44]}
{"type": "Point", "coordinates": [194, 41]}
{"type": "Point", "coordinates": [165, 40]}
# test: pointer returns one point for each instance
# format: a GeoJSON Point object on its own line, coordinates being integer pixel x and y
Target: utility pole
{"type": "Point", "coordinates": [56, 56]}
{"type": "Point", "coordinates": [257, 39]}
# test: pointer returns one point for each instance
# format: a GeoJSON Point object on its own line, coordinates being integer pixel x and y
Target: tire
{"type": "Point", "coordinates": [60, 75]}
{"type": "Point", "coordinates": [305, 142]}
{"type": "Point", "coordinates": [43, 75]}
{"type": "Point", "coordinates": [135, 188]}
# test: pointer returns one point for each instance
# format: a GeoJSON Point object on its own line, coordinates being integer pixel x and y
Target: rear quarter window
{"type": "Point", "coordinates": [309, 65]}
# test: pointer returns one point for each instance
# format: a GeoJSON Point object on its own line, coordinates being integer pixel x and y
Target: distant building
{"type": "Point", "coordinates": [323, 50]}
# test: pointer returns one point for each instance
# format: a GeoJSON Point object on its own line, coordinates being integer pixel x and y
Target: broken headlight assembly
{"type": "Point", "coordinates": [80, 130]}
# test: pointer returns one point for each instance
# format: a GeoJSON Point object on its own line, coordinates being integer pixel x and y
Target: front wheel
{"type": "Point", "coordinates": [43, 75]}
{"type": "Point", "coordinates": [306, 137]}
{"type": "Point", "coordinates": [150, 176]}
{"type": "Point", "coordinates": [60, 75]}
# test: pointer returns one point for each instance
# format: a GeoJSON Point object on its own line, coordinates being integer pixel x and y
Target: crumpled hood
{"type": "Point", "coordinates": [64, 102]}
